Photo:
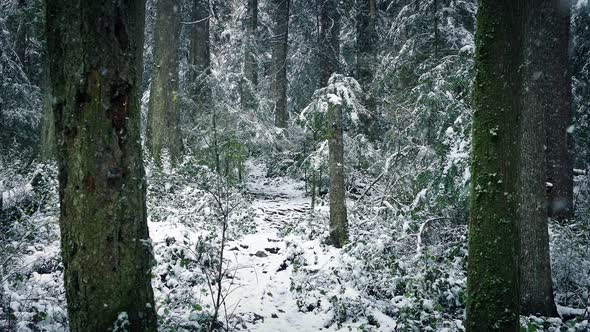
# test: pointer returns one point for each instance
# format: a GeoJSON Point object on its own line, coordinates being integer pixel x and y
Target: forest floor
{"type": "Point", "coordinates": [261, 265]}
{"type": "Point", "coordinates": [279, 274]}
{"type": "Point", "coordinates": [262, 280]}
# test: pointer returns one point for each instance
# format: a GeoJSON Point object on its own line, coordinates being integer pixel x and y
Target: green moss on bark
{"type": "Point", "coordinates": [492, 285]}
{"type": "Point", "coordinates": [163, 132]}
{"type": "Point", "coordinates": [105, 242]}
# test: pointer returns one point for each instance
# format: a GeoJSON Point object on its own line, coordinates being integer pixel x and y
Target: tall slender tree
{"type": "Point", "coordinates": [544, 71]}
{"type": "Point", "coordinates": [366, 39]}
{"type": "Point", "coordinates": [338, 214]}
{"type": "Point", "coordinates": [279, 61]}
{"type": "Point", "coordinates": [328, 56]}
{"type": "Point", "coordinates": [329, 50]}
{"type": "Point", "coordinates": [492, 278]}
{"type": "Point", "coordinates": [95, 59]}
{"type": "Point", "coordinates": [199, 54]}
{"type": "Point", "coordinates": [366, 58]}
{"type": "Point", "coordinates": [162, 124]}
{"type": "Point", "coordinates": [558, 112]}
{"type": "Point", "coordinates": [250, 75]}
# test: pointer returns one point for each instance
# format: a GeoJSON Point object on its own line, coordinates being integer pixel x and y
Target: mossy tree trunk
{"type": "Point", "coordinates": [199, 55]}
{"type": "Point", "coordinates": [279, 61]}
{"type": "Point", "coordinates": [492, 278]}
{"type": "Point", "coordinates": [329, 48]}
{"type": "Point", "coordinates": [95, 59]}
{"type": "Point", "coordinates": [541, 57]}
{"type": "Point", "coordinates": [250, 74]}
{"type": "Point", "coordinates": [338, 218]}
{"type": "Point", "coordinates": [163, 132]}
{"type": "Point", "coordinates": [558, 112]}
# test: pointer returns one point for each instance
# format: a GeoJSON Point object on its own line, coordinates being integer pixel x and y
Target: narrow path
{"type": "Point", "coordinates": [261, 295]}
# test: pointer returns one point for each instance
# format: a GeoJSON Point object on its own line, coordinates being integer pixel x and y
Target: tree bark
{"type": "Point", "coordinates": [279, 61]}
{"type": "Point", "coordinates": [338, 218]}
{"type": "Point", "coordinates": [162, 124]}
{"type": "Point", "coordinates": [492, 278]}
{"type": "Point", "coordinates": [366, 39]}
{"type": "Point", "coordinates": [250, 75]}
{"type": "Point", "coordinates": [540, 83]}
{"type": "Point", "coordinates": [199, 57]}
{"type": "Point", "coordinates": [329, 40]}
{"type": "Point", "coordinates": [558, 113]}
{"type": "Point", "coordinates": [580, 36]}
{"type": "Point", "coordinates": [366, 58]}
{"type": "Point", "coordinates": [95, 58]}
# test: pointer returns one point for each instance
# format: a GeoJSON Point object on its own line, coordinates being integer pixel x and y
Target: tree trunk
{"type": "Point", "coordinates": [199, 57]}
{"type": "Point", "coordinates": [558, 113]}
{"type": "Point", "coordinates": [279, 61]}
{"type": "Point", "coordinates": [366, 58]}
{"type": "Point", "coordinates": [95, 58]}
{"type": "Point", "coordinates": [580, 36]}
{"type": "Point", "coordinates": [250, 75]}
{"type": "Point", "coordinates": [492, 278]}
{"type": "Point", "coordinates": [540, 84]}
{"type": "Point", "coordinates": [338, 221]}
{"type": "Point", "coordinates": [162, 124]}
{"type": "Point", "coordinates": [366, 39]}
{"type": "Point", "coordinates": [329, 40]}
{"type": "Point", "coordinates": [47, 141]}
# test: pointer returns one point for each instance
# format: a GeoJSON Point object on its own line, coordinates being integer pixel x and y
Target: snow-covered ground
{"type": "Point", "coordinates": [259, 289]}
{"type": "Point", "coordinates": [279, 273]}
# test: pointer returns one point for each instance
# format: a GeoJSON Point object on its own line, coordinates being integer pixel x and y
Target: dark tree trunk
{"type": "Point", "coordinates": [338, 218]}
{"type": "Point", "coordinates": [162, 124]}
{"type": "Point", "coordinates": [366, 40]}
{"type": "Point", "coordinates": [95, 59]}
{"type": "Point", "coordinates": [492, 278]}
{"type": "Point", "coordinates": [580, 36]}
{"type": "Point", "coordinates": [366, 58]}
{"type": "Point", "coordinates": [279, 61]}
{"type": "Point", "coordinates": [329, 51]}
{"type": "Point", "coordinates": [539, 85]}
{"type": "Point", "coordinates": [199, 57]}
{"type": "Point", "coordinates": [558, 112]}
{"type": "Point", "coordinates": [250, 75]}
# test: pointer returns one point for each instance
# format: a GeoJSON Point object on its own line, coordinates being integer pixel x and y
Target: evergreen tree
{"type": "Point", "coordinates": [366, 59]}
{"type": "Point", "coordinates": [544, 75]}
{"type": "Point", "coordinates": [199, 55]}
{"type": "Point", "coordinates": [492, 281]}
{"type": "Point", "coordinates": [338, 215]}
{"type": "Point", "coordinates": [329, 50]}
{"type": "Point", "coordinates": [279, 61]}
{"type": "Point", "coordinates": [366, 39]}
{"type": "Point", "coordinates": [329, 54]}
{"type": "Point", "coordinates": [162, 125]}
{"type": "Point", "coordinates": [581, 82]}
{"type": "Point", "coordinates": [250, 74]}
{"type": "Point", "coordinates": [558, 113]}
{"type": "Point", "coordinates": [95, 60]}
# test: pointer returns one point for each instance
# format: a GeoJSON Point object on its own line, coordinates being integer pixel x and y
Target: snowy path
{"type": "Point", "coordinates": [262, 298]}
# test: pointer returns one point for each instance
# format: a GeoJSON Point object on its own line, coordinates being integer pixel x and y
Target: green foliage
{"type": "Point", "coordinates": [22, 51]}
